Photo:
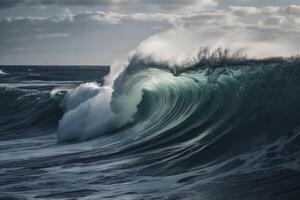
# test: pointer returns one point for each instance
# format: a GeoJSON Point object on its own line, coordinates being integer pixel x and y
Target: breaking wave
{"type": "Point", "coordinates": [217, 127]}
{"type": "Point", "coordinates": [150, 97]}
{"type": "Point", "coordinates": [2, 72]}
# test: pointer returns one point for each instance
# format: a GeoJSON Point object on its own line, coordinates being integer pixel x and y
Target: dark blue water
{"type": "Point", "coordinates": [227, 130]}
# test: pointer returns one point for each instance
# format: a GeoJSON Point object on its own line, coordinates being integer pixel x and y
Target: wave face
{"type": "Point", "coordinates": [218, 129]}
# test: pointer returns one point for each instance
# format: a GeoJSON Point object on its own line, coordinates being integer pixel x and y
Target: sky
{"type": "Point", "coordinates": [96, 32]}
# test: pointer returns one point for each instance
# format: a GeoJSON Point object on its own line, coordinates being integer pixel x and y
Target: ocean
{"type": "Point", "coordinates": [219, 129]}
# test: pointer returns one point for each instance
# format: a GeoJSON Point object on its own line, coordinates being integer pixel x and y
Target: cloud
{"type": "Point", "coordinates": [12, 3]}
{"type": "Point", "coordinates": [39, 36]}
{"type": "Point", "coordinates": [180, 5]}
{"type": "Point", "coordinates": [24, 19]}
{"type": "Point", "coordinates": [158, 5]}
{"type": "Point", "coordinates": [292, 10]}
{"type": "Point", "coordinates": [114, 18]}
{"type": "Point", "coordinates": [284, 17]}
{"type": "Point", "coordinates": [244, 11]}
{"type": "Point", "coordinates": [260, 30]}
{"type": "Point", "coordinates": [273, 21]}
{"type": "Point", "coordinates": [102, 17]}
{"type": "Point", "coordinates": [267, 10]}
{"type": "Point", "coordinates": [68, 16]}
{"type": "Point", "coordinates": [43, 36]}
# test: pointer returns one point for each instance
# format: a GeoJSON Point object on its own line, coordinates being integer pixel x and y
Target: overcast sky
{"type": "Point", "coordinates": [98, 31]}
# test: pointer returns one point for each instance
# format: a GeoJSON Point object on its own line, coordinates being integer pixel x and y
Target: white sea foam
{"type": "Point", "coordinates": [88, 111]}
{"type": "Point", "coordinates": [2, 72]}
{"type": "Point", "coordinates": [81, 94]}
{"type": "Point", "coordinates": [87, 116]}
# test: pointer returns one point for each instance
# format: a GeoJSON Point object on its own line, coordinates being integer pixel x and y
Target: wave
{"type": "Point", "coordinates": [151, 97]}
{"type": "Point", "coordinates": [230, 116]}
{"type": "Point", "coordinates": [226, 124]}
{"type": "Point", "coordinates": [214, 121]}
{"type": "Point", "coordinates": [2, 72]}
{"type": "Point", "coordinates": [27, 112]}
{"type": "Point", "coordinates": [31, 104]}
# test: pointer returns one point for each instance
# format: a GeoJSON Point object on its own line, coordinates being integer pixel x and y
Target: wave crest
{"type": "Point", "coordinates": [93, 110]}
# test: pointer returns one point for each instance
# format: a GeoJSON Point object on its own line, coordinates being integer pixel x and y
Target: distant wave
{"type": "Point", "coordinates": [2, 72]}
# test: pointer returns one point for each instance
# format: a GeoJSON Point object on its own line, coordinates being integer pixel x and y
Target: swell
{"type": "Point", "coordinates": [26, 112]}
{"type": "Point", "coordinates": [31, 97]}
